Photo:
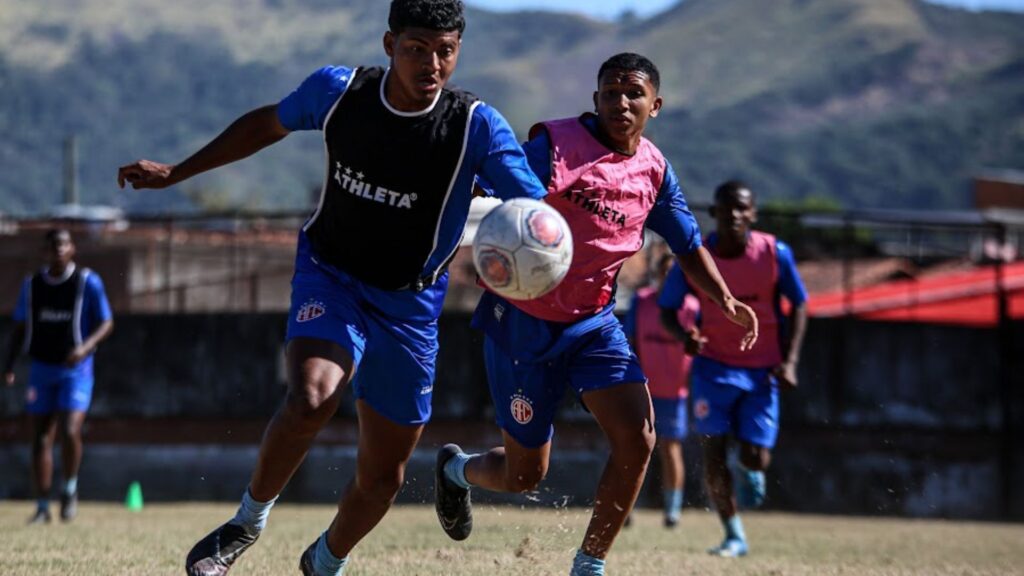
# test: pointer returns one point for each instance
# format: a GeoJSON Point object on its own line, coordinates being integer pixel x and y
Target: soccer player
{"type": "Point", "coordinates": [371, 267]}
{"type": "Point", "coordinates": [608, 182]}
{"type": "Point", "coordinates": [737, 394]}
{"type": "Point", "coordinates": [61, 316]}
{"type": "Point", "coordinates": [667, 366]}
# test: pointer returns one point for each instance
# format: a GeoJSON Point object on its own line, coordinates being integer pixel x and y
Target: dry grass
{"type": "Point", "coordinates": [107, 540]}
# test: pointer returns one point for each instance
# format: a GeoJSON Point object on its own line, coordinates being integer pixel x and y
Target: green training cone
{"type": "Point", "coordinates": [133, 500]}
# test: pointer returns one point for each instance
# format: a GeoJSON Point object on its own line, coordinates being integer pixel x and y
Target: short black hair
{"type": "Point", "coordinates": [730, 188]}
{"type": "Point", "coordinates": [633, 63]}
{"type": "Point", "coordinates": [53, 233]}
{"type": "Point", "coordinates": [443, 15]}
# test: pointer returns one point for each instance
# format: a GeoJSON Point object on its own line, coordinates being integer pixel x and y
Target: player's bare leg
{"type": "Point", "coordinates": [673, 474]}
{"type": "Point", "coordinates": [318, 370]}
{"type": "Point", "coordinates": [384, 450]}
{"type": "Point", "coordinates": [719, 483]}
{"type": "Point", "coordinates": [509, 468]}
{"type": "Point", "coordinates": [71, 460]}
{"type": "Point", "coordinates": [44, 430]}
{"type": "Point", "coordinates": [626, 416]}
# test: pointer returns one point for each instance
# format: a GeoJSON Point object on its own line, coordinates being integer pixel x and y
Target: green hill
{"type": "Point", "coordinates": [889, 103]}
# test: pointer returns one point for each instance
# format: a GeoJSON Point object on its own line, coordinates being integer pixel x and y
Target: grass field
{"type": "Point", "coordinates": [108, 540]}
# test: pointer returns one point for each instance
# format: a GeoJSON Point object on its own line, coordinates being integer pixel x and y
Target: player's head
{"type": "Point", "coordinates": [734, 209]}
{"type": "Point", "coordinates": [627, 95]}
{"type": "Point", "coordinates": [423, 44]}
{"type": "Point", "coordinates": [59, 248]}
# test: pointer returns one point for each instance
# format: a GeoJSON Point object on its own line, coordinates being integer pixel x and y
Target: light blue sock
{"type": "Point", "coordinates": [734, 528]}
{"type": "Point", "coordinates": [584, 565]}
{"type": "Point", "coordinates": [455, 470]}
{"type": "Point", "coordinates": [252, 515]}
{"type": "Point", "coordinates": [324, 562]}
{"type": "Point", "coordinates": [673, 502]}
{"type": "Point", "coordinates": [71, 485]}
{"type": "Point", "coordinates": [43, 504]}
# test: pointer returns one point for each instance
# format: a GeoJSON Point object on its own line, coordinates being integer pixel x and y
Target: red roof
{"type": "Point", "coordinates": [965, 297]}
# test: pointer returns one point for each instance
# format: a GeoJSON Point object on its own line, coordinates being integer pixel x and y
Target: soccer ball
{"type": "Point", "coordinates": [522, 249]}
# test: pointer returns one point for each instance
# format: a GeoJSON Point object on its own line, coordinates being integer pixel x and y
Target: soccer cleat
{"type": "Point", "coordinates": [42, 516]}
{"type": "Point", "coordinates": [454, 509]}
{"type": "Point", "coordinates": [306, 560]}
{"type": "Point", "coordinates": [68, 506]}
{"type": "Point", "coordinates": [751, 488]}
{"type": "Point", "coordinates": [671, 521]}
{"type": "Point", "coordinates": [214, 554]}
{"type": "Point", "coordinates": [729, 548]}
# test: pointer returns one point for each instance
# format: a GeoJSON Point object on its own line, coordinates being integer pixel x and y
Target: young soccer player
{"type": "Point", "coordinates": [61, 317]}
{"type": "Point", "coordinates": [402, 155]}
{"type": "Point", "coordinates": [737, 394]}
{"type": "Point", "coordinates": [667, 366]}
{"type": "Point", "coordinates": [608, 182]}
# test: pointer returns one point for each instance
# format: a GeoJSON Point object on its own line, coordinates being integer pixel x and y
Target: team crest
{"type": "Point", "coordinates": [701, 409]}
{"type": "Point", "coordinates": [521, 408]}
{"type": "Point", "coordinates": [544, 228]}
{"type": "Point", "coordinates": [310, 311]}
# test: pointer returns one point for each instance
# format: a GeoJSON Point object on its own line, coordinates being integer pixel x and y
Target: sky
{"type": "Point", "coordinates": [609, 9]}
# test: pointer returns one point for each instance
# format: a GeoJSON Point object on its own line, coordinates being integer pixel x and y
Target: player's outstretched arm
{"type": "Point", "coordinates": [700, 269]}
{"type": "Point", "coordinates": [245, 136]}
{"type": "Point", "coordinates": [14, 345]}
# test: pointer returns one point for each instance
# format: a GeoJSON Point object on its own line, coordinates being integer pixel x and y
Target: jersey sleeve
{"type": "Point", "coordinates": [674, 290]}
{"type": "Point", "coordinates": [790, 284]}
{"type": "Point", "coordinates": [306, 108]}
{"type": "Point", "coordinates": [21, 308]}
{"type": "Point", "coordinates": [502, 167]}
{"type": "Point", "coordinates": [671, 217]}
{"type": "Point", "coordinates": [99, 307]}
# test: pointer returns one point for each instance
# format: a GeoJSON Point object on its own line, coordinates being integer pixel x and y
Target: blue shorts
{"type": "Point", "coordinates": [395, 357]}
{"type": "Point", "coordinates": [528, 391]}
{"type": "Point", "coordinates": [670, 420]}
{"type": "Point", "coordinates": [743, 402]}
{"type": "Point", "coordinates": [54, 388]}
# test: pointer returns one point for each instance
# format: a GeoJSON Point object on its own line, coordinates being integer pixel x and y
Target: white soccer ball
{"type": "Point", "coordinates": [522, 249]}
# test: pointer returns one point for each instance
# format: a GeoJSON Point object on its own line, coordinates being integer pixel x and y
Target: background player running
{"type": "Point", "coordinates": [608, 182]}
{"type": "Point", "coordinates": [61, 317]}
{"type": "Point", "coordinates": [402, 155]}
{"type": "Point", "coordinates": [736, 394]}
{"type": "Point", "coordinates": [667, 367]}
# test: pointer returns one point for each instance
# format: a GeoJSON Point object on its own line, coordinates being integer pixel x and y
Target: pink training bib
{"type": "Point", "coordinates": [752, 278]}
{"type": "Point", "coordinates": [662, 356]}
{"type": "Point", "coordinates": [605, 197]}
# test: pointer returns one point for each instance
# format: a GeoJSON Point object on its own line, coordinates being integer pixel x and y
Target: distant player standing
{"type": "Point", "coordinates": [667, 366]}
{"type": "Point", "coordinates": [61, 317]}
{"type": "Point", "coordinates": [608, 182]}
{"type": "Point", "coordinates": [371, 270]}
{"type": "Point", "coordinates": [736, 394]}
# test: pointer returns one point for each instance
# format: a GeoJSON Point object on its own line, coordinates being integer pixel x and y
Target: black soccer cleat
{"type": "Point", "coordinates": [214, 554]}
{"type": "Point", "coordinates": [454, 509]}
{"type": "Point", "coordinates": [68, 506]}
{"type": "Point", "coordinates": [306, 560]}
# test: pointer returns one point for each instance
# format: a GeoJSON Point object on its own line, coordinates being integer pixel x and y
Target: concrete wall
{"type": "Point", "coordinates": [889, 419]}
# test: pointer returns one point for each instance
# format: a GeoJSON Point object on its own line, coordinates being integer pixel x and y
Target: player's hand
{"type": "Point", "coordinates": [76, 356]}
{"type": "Point", "coordinates": [694, 342]}
{"type": "Point", "coordinates": [9, 378]}
{"type": "Point", "coordinates": [741, 314]}
{"type": "Point", "coordinates": [145, 174]}
{"type": "Point", "coordinates": [785, 373]}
